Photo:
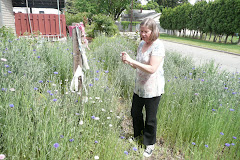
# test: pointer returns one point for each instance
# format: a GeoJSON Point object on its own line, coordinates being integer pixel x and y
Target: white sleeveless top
{"type": "Point", "coordinates": [150, 85]}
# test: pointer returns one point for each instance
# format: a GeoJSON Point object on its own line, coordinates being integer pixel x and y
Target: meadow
{"type": "Point", "coordinates": [40, 118]}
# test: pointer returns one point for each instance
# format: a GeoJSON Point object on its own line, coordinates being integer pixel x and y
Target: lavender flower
{"type": "Point", "coordinates": [55, 100]}
{"type": "Point", "coordinates": [227, 144]}
{"type": "Point", "coordinates": [221, 133]}
{"type": "Point", "coordinates": [35, 88]}
{"type": "Point", "coordinates": [206, 145]}
{"type": "Point", "coordinates": [61, 136]}
{"type": "Point", "coordinates": [126, 152]}
{"type": "Point", "coordinates": [9, 71]}
{"type": "Point", "coordinates": [56, 145]}
{"type": "Point", "coordinates": [6, 65]}
{"type": "Point", "coordinates": [213, 110]}
{"type": "Point", "coordinates": [96, 142]}
{"type": "Point", "coordinates": [40, 81]}
{"type": "Point", "coordinates": [234, 137]}
{"type": "Point", "coordinates": [231, 109]}
{"type": "Point", "coordinates": [193, 143]}
{"type": "Point", "coordinates": [134, 148]}
{"type": "Point", "coordinates": [55, 72]}
{"type": "Point", "coordinates": [11, 105]}
{"type": "Point", "coordinates": [90, 85]}
{"type": "Point", "coordinates": [71, 140]}
{"type": "Point", "coordinates": [106, 71]}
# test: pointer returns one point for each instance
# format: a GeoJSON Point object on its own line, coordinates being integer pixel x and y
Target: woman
{"type": "Point", "coordinates": [149, 83]}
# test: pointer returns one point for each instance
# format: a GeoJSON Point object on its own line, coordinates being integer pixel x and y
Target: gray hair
{"type": "Point", "coordinates": [151, 24]}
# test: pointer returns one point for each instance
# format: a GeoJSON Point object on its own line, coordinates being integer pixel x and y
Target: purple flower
{"type": "Point", "coordinates": [93, 117]}
{"type": "Point", "coordinates": [9, 71]}
{"type": "Point", "coordinates": [55, 72]}
{"type": "Point", "coordinates": [225, 87]}
{"type": "Point", "coordinates": [51, 94]}
{"type": "Point", "coordinates": [227, 144]}
{"type": "Point", "coordinates": [97, 71]}
{"type": "Point", "coordinates": [96, 79]}
{"type": "Point", "coordinates": [6, 65]}
{"type": "Point", "coordinates": [61, 136]}
{"type": "Point", "coordinates": [96, 142]}
{"type": "Point", "coordinates": [134, 148]}
{"type": "Point", "coordinates": [71, 140]}
{"type": "Point", "coordinates": [234, 92]}
{"type": "Point", "coordinates": [56, 145]}
{"type": "Point", "coordinates": [213, 110]}
{"type": "Point", "coordinates": [90, 85]}
{"type": "Point", "coordinates": [202, 80]}
{"type": "Point", "coordinates": [48, 91]}
{"type": "Point", "coordinates": [125, 152]}
{"type": "Point", "coordinates": [40, 81]}
{"type": "Point", "coordinates": [196, 94]}
{"type": "Point", "coordinates": [190, 74]}
{"type": "Point", "coordinates": [193, 143]}
{"type": "Point", "coordinates": [106, 71]}
{"type": "Point", "coordinates": [206, 145]}
{"type": "Point", "coordinates": [76, 101]}
{"type": "Point", "coordinates": [38, 57]}
{"type": "Point", "coordinates": [231, 109]}
{"type": "Point", "coordinates": [35, 88]}
{"type": "Point", "coordinates": [122, 137]}
{"type": "Point", "coordinates": [234, 137]}
{"type": "Point", "coordinates": [55, 100]}
{"type": "Point", "coordinates": [221, 133]}
{"type": "Point", "coordinates": [11, 105]}
{"type": "Point", "coordinates": [3, 89]}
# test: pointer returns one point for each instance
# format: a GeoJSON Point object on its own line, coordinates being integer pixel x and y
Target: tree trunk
{"type": "Point", "coordinates": [215, 37]}
{"type": "Point", "coordinates": [210, 36]}
{"type": "Point", "coordinates": [232, 38]}
{"type": "Point", "coordinates": [226, 39]}
{"type": "Point", "coordinates": [206, 36]}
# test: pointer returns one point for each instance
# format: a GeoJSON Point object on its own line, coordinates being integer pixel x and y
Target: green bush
{"type": "Point", "coordinates": [104, 24]}
{"type": "Point", "coordinates": [76, 18]}
{"type": "Point", "coordinates": [125, 24]}
{"type": "Point", "coordinates": [6, 33]}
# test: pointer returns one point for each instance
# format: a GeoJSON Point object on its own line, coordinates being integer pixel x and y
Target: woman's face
{"type": "Point", "coordinates": [145, 34]}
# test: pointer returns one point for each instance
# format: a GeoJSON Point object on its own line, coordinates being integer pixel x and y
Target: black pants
{"type": "Point", "coordinates": [149, 129]}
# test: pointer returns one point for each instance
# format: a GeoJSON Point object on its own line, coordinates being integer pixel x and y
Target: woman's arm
{"type": "Point", "coordinates": [149, 68]}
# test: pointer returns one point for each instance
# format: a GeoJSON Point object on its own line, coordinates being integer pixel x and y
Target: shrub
{"type": "Point", "coordinates": [104, 24]}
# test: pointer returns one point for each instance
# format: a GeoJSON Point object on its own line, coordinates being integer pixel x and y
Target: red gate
{"type": "Point", "coordinates": [46, 24]}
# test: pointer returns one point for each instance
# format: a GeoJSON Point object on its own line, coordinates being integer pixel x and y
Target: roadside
{"type": "Point", "coordinates": [226, 61]}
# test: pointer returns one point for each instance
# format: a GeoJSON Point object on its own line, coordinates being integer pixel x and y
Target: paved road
{"type": "Point", "coordinates": [200, 56]}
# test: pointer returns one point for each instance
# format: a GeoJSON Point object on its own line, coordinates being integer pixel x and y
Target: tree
{"type": "Point", "coordinates": [170, 3]}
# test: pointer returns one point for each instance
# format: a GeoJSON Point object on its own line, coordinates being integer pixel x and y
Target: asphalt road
{"type": "Point", "coordinates": [200, 56]}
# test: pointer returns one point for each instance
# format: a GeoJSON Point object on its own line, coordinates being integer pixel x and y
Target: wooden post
{"type": "Point", "coordinates": [77, 57]}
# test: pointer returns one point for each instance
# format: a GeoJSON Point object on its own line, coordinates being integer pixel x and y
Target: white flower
{"type": "Point", "coordinates": [96, 157]}
{"type": "Point", "coordinates": [66, 93]}
{"type": "Point", "coordinates": [97, 118]}
{"type": "Point", "coordinates": [53, 84]}
{"type": "Point", "coordinates": [118, 117]}
{"type": "Point", "coordinates": [2, 156]}
{"type": "Point", "coordinates": [3, 59]}
{"type": "Point", "coordinates": [81, 122]}
{"type": "Point", "coordinates": [12, 89]}
{"type": "Point", "coordinates": [110, 125]}
{"type": "Point", "coordinates": [100, 101]}
{"type": "Point", "coordinates": [111, 111]}
{"type": "Point", "coordinates": [66, 80]}
{"type": "Point", "coordinates": [103, 110]}
{"type": "Point", "coordinates": [90, 97]}
{"type": "Point", "coordinates": [108, 117]}
{"type": "Point", "coordinates": [97, 97]}
{"type": "Point", "coordinates": [93, 102]}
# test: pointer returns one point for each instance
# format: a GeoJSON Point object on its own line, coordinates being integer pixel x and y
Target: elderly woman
{"type": "Point", "coordinates": [149, 83]}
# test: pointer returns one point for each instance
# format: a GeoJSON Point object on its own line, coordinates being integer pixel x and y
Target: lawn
{"type": "Point", "coordinates": [234, 48]}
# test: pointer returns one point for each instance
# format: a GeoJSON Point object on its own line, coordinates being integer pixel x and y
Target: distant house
{"type": "Point", "coordinates": [139, 15]}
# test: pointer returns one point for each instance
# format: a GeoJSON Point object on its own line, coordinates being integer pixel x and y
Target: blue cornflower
{"type": "Point", "coordinates": [55, 72]}
{"type": "Point", "coordinates": [9, 71]}
{"type": "Point", "coordinates": [38, 57]}
{"type": "Point", "coordinates": [202, 80]}
{"type": "Point", "coordinates": [90, 85]}
{"type": "Point", "coordinates": [51, 94]}
{"type": "Point", "coordinates": [96, 79]}
{"type": "Point", "coordinates": [193, 143]}
{"type": "Point", "coordinates": [126, 152]}
{"type": "Point", "coordinates": [234, 92]}
{"type": "Point", "coordinates": [190, 74]}
{"type": "Point", "coordinates": [96, 142]}
{"type": "Point", "coordinates": [122, 137]}
{"type": "Point", "coordinates": [213, 110]}
{"type": "Point", "coordinates": [3, 89]}
{"type": "Point", "coordinates": [35, 88]}
{"type": "Point", "coordinates": [93, 117]}
{"type": "Point", "coordinates": [6, 65]}
{"type": "Point", "coordinates": [134, 148]}
{"type": "Point", "coordinates": [231, 109]}
{"type": "Point", "coordinates": [227, 144]}
{"type": "Point", "coordinates": [106, 71]}
{"type": "Point", "coordinates": [55, 100]}
{"type": "Point", "coordinates": [40, 81]}
{"type": "Point", "coordinates": [225, 87]}
{"type": "Point", "coordinates": [48, 91]}
{"type": "Point", "coordinates": [56, 145]}
{"type": "Point", "coordinates": [206, 145]}
{"type": "Point", "coordinates": [97, 71]}
{"type": "Point", "coordinates": [61, 136]}
{"type": "Point", "coordinates": [221, 133]}
{"type": "Point", "coordinates": [71, 140]}
{"type": "Point", "coordinates": [233, 144]}
{"type": "Point", "coordinates": [11, 105]}
{"type": "Point", "coordinates": [234, 137]}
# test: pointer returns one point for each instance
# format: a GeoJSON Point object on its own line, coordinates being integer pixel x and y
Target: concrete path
{"type": "Point", "coordinates": [229, 62]}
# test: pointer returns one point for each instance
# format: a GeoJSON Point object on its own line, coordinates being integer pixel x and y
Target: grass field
{"type": "Point", "coordinates": [40, 118]}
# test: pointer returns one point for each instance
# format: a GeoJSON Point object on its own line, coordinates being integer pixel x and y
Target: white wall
{"type": "Point", "coordinates": [36, 10]}
{"type": "Point", "coordinates": [7, 15]}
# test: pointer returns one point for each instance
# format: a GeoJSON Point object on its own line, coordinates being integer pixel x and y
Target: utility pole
{"type": "Point", "coordinates": [131, 16]}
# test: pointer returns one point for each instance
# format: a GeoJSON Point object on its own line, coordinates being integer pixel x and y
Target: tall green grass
{"type": "Point", "coordinates": [199, 103]}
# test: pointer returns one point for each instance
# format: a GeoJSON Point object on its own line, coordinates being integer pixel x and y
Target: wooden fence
{"type": "Point", "coordinates": [45, 24]}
